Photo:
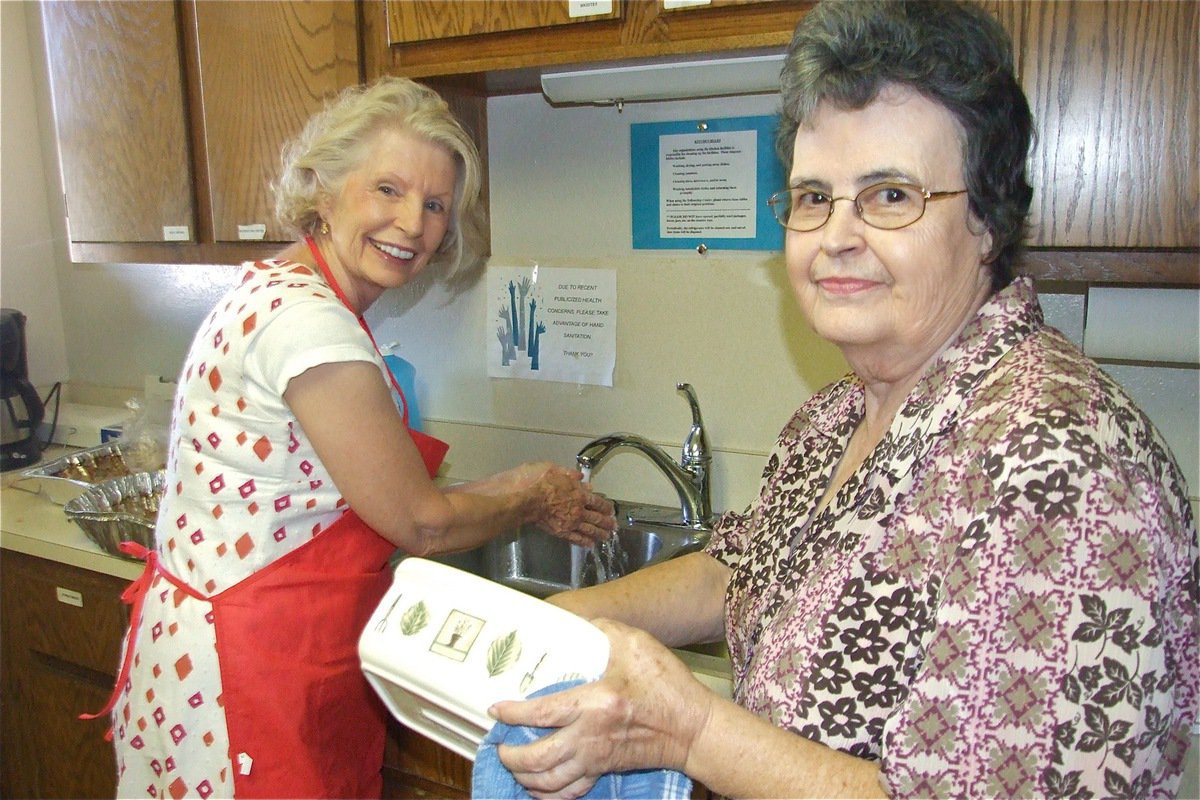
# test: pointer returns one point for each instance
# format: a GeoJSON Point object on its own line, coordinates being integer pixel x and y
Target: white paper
{"type": "Point", "coordinates": [252, 233]}
{"type": "Point", "coordinates": [552, 324]}
{"type": "Point", "coordinates": [1160, 325]}
{"type": "Point", "coordinates": [588, 8]}
{"type": "Point", "coordinates": [707, 183]}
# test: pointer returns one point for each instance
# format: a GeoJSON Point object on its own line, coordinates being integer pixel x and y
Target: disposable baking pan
{"type": "Point", "coordinates": [68, 477]}
{"type": "Point", "coordinates": [120, 509]}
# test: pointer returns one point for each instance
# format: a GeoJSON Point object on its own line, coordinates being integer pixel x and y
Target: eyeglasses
{"type": "Point", "coordinates": [883, 205]}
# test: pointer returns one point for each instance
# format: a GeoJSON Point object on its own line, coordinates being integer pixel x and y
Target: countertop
{"type": "Point", "coordinates": [31, 524]}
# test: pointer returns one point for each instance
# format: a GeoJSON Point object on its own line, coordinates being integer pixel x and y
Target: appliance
{"type": "Point", "coordinates": [22, 409]}
{"type": "Point", "coordinates": [756, 74]}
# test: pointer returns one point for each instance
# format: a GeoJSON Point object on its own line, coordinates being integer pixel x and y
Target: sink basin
{"type": "Point", "coordinates": [538, 564]}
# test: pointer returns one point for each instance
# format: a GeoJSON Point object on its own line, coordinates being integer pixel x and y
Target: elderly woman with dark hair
{"type": "Point", "coordinates": [971, 569]}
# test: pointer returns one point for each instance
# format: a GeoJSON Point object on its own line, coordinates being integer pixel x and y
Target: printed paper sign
{"type": "Point", "coordinates": [552, 324]}
{"type": "Point", "coordinates": [707, 185]}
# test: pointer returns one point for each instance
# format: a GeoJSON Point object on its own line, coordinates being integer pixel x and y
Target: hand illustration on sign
{"type": "Point", "coordinates": [515, 333]}
{"type": "Point", "coordinates": [551, 324]}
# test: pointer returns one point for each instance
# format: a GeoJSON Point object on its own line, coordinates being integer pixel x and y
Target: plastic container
{"type": "Point", "coordinates": [444, 644]}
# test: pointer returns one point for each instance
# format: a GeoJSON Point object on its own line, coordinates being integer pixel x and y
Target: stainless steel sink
{"type": "Point", "coordinates": [538, 564]}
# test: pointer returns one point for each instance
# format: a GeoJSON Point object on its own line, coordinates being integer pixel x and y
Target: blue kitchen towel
{"type": "Point", "coordinates": [491, 780]}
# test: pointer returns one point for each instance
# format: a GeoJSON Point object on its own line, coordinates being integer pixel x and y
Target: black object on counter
{"type": "Point", "coordinates": [21, 409]}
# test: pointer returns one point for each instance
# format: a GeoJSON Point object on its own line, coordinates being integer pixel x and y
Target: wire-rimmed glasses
{"type": "Point", "coordinates": [887, 206]}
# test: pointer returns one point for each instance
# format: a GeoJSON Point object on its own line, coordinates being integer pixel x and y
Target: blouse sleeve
{"type": "Point", "coordinates": [303, 335]}
{"type": "Point", "coordinates": [1063, 658]}
{"type": "Point", "coordinates": [728, 537]}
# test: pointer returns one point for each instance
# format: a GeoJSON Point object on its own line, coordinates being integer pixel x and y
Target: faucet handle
{"type": "Point", "coordinates": [695, 446]}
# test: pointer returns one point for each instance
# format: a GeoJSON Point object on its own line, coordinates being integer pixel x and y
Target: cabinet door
{"type": "Point", "coordinates": [62, 638]}
{"type": "Point", "coordinates": [264, 69]}
{"type": "Point", "coordinates": [117, 88]}
{"type": "Point", "coordinates": [423, 20]}
{"type": "Point", "coordinates": [414, 766]}
{"type": "Point", "coordinates": [1112, 86]}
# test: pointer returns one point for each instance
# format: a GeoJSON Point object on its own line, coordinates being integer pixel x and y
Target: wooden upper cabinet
{"type": "Point", "coordinates": [117, 88]}
{"type": "Point", "coordinates": [263, 68]}
{"type": "Point", "coordinates": [509, 57]}
{"type": "Point", "coordinates": [171, 117]}
{"type": "Point", "coordinates": [422, 20]}
{"type": "Point", "coordinates": [1112, 87]}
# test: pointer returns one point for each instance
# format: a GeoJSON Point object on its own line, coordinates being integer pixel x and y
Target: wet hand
{"type": "Point", "coordinates": [568, 508]}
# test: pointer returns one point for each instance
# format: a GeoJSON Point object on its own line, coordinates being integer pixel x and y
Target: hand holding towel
{"type": "Point", "coordinates": [491, 780]}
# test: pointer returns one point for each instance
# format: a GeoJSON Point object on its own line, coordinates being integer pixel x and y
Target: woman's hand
{"type": "Point", "coordinates": [559, 502]}
{"type": "Point", "coordinates": [569, 509]}
{"type": "Point", "coordinates": [643, 713]}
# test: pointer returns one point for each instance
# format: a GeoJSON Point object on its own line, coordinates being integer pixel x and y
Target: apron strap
{"type": "Point", "coordinates": [337, 290]}
{"type": "Point", "coordinates": [135, 595]}
{"type": "Point", "coordinates": [432, 450]}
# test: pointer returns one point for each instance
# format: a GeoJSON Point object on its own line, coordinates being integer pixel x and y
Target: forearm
{"type": "Point", "coordinates": [679, 602]}
{"type": "Point", "coordinates": [466, 521]}
{"type": "Point", "coordinates": [739, 754]}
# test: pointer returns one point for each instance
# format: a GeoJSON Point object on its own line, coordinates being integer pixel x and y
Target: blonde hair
{"type": "Point", "coordinates": [333, 144]}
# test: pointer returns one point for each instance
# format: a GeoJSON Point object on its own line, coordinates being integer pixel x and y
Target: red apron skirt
{"type": "Point", "coordinates": [301, 717]}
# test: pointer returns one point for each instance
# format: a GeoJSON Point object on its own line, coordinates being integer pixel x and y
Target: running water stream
{"type": "Point", "coordinates": [607, 560]}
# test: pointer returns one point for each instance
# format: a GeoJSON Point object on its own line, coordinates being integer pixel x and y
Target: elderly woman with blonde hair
{"type": "Point", "coordinates": [293, 477]}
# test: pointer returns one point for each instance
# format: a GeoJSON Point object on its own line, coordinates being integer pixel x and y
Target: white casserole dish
{"type": "Point", "coordinates": [444, 644]}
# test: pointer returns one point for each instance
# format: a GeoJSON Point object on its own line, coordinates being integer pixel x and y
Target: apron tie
{"type": "Point", "coordinates": [135, 595]}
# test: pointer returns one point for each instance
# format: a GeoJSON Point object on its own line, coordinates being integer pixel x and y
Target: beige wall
{"type": "Point", "coordinates": [28, 277]}
{"type": "Point", "coordinates": [560, 197]}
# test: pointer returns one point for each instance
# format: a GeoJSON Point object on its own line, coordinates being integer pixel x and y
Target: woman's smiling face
{"type": "Point", "coordinates": [891, 299]}
{"type": "Point", "coordinates": [391, 214]}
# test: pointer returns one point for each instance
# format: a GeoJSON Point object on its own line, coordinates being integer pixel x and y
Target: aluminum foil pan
{"type": "Point", "coordinates": [119, 510]}
{"type": "Point", "coordinates": [66, 478]}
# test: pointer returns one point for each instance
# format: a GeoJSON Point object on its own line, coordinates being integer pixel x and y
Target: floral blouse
{"type": "Point", "coordinates": [1001, 601]}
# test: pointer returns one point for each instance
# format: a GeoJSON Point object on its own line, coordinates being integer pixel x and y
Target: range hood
{"type": "Point", "coordinates": [758, 74]}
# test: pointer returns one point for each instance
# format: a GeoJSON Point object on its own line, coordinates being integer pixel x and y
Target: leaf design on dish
{"type": "Point", "coordinates": [503, 653]}
{"type": "Point", "coordinates": [414, 618]}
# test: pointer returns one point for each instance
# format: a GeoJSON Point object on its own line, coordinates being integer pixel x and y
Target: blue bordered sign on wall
{"type": "Point", "coordinates": [705, 182]}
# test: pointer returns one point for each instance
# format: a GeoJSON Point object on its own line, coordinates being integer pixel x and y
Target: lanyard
{"type": "Point", "coordinates": [337, 290]}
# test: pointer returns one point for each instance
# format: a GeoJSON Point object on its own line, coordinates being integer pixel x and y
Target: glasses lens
{"type": "Point", "coordinates": [800, 209]}
{"type": "Point", "coordinates": [891, 205]}
{"type": "Point", "coordinates": [781, 206]}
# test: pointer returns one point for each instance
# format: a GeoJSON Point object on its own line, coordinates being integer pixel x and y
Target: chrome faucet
{"type": "Point", "coordinates": [690, 476]}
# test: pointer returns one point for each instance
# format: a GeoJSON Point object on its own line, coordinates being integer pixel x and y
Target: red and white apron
{"type": "Point", "coordinates": [302, 719]}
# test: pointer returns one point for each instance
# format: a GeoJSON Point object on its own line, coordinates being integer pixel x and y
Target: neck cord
{"type": "Point", "coordinates": [337, 290]}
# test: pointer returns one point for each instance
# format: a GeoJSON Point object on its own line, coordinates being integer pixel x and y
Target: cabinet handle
{"type": "Point", "coordinates": [69, 596]}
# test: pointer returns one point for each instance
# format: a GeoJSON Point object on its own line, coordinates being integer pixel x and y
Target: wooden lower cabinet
{"type": "Point", "coordinates": [60, 639]}
{"type": "Point", "coordinates": [414, 766]}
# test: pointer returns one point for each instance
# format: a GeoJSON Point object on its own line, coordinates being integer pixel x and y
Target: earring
{"type": "Point", "coordinates": [324, 228]}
